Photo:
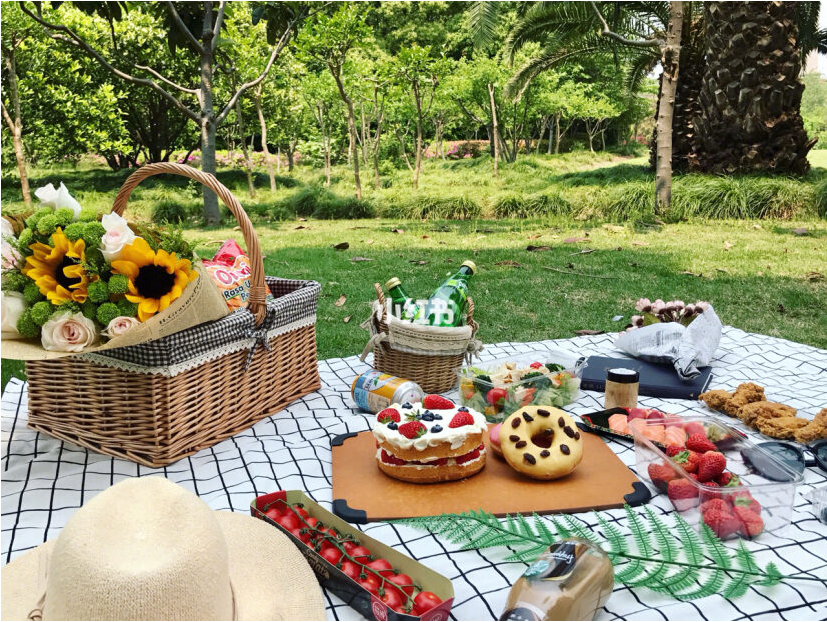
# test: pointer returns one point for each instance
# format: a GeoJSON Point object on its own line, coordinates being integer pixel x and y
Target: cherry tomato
{"type": "Point", "coordinates": [301, 512]}
{"type": "Point", "coordinates": [360, 554]}
{"type": "Point", "coordinates": [332, 554]}
{"type": "Point", "coordinates": [536, 365]}
{"type": "Point", "coordinates": [273, 514]}
{"type": "Point", "coordinates": [403, 581]}
{"type": "Point", "coordinates": [382, 566]}
{"type": "Point", "coordinates": [392, 597]}
{"type": "Point", "coordinates": [313, 523]}
{"type": "Point", "coordinates": [289, 522]}
{"type": "Point", "coordinates": [425, 601]}
{"type": "Point", "coordinates": [352, 570]}
{"type": "Point", "coordinates": [496, 396]}
{"type": "Point", "coordinates": [349, 546]}
{"type": "Point", "coordinates": [304, 537]}
{"type": "Point", "coordinates": [370, 584]}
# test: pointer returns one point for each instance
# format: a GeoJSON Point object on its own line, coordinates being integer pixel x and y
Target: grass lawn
{"type": "Point", "coordinates": [758, 274]}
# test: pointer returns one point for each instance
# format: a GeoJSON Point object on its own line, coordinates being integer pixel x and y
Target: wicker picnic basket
{"type": "Point", "coordinates": [159, 401]}
{"type": "Point", "coordinates": [428, 355]}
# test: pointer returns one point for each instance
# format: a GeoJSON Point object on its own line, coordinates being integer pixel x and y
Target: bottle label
{"type": "Point", "coordinates": [556, 563]}
{"type": "Point", "coordinates": [523, 611]}
{"type": "Point", "coordinates": [365, 391]}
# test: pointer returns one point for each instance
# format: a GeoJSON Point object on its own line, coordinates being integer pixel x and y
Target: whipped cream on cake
{"type": "Point", "coordinates": [420, 444]}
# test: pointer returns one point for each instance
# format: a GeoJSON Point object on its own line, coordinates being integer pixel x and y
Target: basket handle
{"type": "Point", "coordinates": [258, 287]}
{"type": "Point", "coordinates": [380, 296]}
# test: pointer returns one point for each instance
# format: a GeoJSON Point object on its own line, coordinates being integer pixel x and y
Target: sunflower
{"type": "Point", "coordinates": [155, 278]}
{"type": "Point", "coordinates": [58, 270]}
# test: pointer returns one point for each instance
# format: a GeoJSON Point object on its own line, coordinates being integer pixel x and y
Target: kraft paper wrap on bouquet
{"type": "Point", "coordinates": [200, 302]}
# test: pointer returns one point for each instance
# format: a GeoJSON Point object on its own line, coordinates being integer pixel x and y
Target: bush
{"type": "Point", "coordinates": [446, 208]}
{"type": "Point", "coordinates": [532, 206]}
{"type": "Point", "coordinates": [820, 197]}
{"type": "Point", "coordinates": [282, 181]}
{"type": "Point", "coordinates": [320, 203]}
{"type": "Point", "coordinates": [170, 211]}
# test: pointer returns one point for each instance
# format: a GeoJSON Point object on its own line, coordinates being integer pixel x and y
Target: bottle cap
{"type": "Point", "coordinates": [471, 265]}
{"type": "Point", "coordinates": [393, 282]}
{"type": "Point", "coordinates": [623, 375]}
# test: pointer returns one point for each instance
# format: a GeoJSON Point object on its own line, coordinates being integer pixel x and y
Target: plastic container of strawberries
{"type": "Point", "coordinates": [761, 477]}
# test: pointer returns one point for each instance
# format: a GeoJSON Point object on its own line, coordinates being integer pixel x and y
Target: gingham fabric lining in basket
{"type": "Point", "coordinates": [294, 306]}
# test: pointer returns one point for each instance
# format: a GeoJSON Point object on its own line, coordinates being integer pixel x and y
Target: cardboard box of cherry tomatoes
{"type": "Point", "coordinates": [377, 581]}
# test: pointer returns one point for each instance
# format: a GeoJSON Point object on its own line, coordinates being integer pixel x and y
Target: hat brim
{"type": "Point", "coordinates": [271, 578]}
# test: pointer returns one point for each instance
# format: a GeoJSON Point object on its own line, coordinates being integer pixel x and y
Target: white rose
{"type": "Point", "coordinates": [6, 230]}
{"type": "Point", "coordinates": [67, 332]}
{"type": "Point", "coordinates": [118, 234]}
{"type": "Point", "coordinates": [119, 326]}
{"type": "Point", "coordinates": [13, 305]}
{"type": "Point", "coordinates": [57, 198]}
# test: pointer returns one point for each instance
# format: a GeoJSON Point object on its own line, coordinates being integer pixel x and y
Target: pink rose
{"type": "Point", "coordinates": [68, 332]}
{"type": "Point", "coordinates": [119, 326]}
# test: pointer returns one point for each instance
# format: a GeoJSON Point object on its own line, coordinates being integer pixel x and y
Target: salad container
{"type": "Point", "coordinates": [367, 603]}
{"type": "Point", "coordinates": [500, 387]}
{"type": "Point", "coordinates": [759, 496]}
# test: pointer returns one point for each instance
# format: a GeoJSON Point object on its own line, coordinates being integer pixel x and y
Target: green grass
{"type": "Point", "coordinates": [755, 272]}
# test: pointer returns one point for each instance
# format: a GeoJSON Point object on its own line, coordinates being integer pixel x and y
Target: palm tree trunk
{"type": "Point", "coordinates": [669, 60]}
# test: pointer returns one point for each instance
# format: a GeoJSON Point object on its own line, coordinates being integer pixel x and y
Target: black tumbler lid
{"type": "Point", "coordinates": [623, 375]}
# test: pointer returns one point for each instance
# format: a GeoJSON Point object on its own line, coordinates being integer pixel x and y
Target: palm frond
{"type": "Point", "coordinates": [667, 559]}
{"type": "Point", "coordinates": [483, 18]}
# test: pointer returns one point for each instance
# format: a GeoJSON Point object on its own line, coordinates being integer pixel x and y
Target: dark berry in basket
{"type": "Point", "coordinates": [393, 425]}
{"type": "Point", "coordinates": [427, 417]}
{"type": "Point", "coordinates": [437, 417]}
{"type": "Point", "coordinates": [436, 428]}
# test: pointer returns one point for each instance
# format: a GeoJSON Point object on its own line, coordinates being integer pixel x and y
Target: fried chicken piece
{"type": "Point", "coordinates": [750, 413]}
{"type": "Point", "coordinates": [715, 399]}
{"type": "Point", "coordinates": [746, 393]}
{"type": "Point", "coordinates": [781, 427]}
{"type": "Point", "coordinates": [815, 430]}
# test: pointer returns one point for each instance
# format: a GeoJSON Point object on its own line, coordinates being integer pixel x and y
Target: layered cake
{"type": "Point", "coordinates": [429, 442]}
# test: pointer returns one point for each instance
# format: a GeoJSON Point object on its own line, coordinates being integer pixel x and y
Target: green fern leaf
{"type": "Point", "coordinates": [711, 586]}
{"type": "Point", "coordinates": [617, 542]}
{"type": "Point", "coordinates": [690, 544]}
{"type": "Point", "coordinates": [773, 575]}
{"type": "Point", "coordinates": [562, 531]}
{"type": "Point", "coordinates": [715, 548]}
{"type": "Point", "coordinates": [542, 529]}
{"type": "Point", "coordinates": [527, 555]}
{"type": "Point", "coordinates": [741, 580]}
{"type": "Point", "coordinates": [746, 559]}
{"type": "Point", "coordinates": [641, 536]}
{"type": "Point", "coordinates": [631, 571]}
{"type": "Point", "coordinates": [580, 529]}
{"type": "Point", "coordinates": [525, 528]}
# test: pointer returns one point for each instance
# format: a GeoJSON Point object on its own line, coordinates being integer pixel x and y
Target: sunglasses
{"type": "Point", "coordinates": [793, 457]}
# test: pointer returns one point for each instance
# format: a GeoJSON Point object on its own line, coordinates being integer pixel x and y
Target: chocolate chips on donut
{"type": "Point", "coordinates": [569, 432]}
{"type": "Point", "coordinates": [529, 458]}
{"type": "Point", "coordinates": [513, 438]}
{"type": "Point", "coordinates": [565, 449]}
{"type": "Point", "coordinates": [545, 453]}
{"type": "Point", "coordinates": [561, 422]}
{"type": "Point", "coordinates": [520, 444]}
{"type": "Point", "coordinates": [528, 418]}
{"type": "Point", "coordinates": [515, 423]}
{"type": "Point", "coordinates": [543, 413]}
{"type": "Point", "coordinates": [577, 436]}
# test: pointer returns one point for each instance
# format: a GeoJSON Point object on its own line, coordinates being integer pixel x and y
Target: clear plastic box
{"type": "Point", "coordinates": [768, 481]}
{"type": "Point", "coordinates": [499, 395]}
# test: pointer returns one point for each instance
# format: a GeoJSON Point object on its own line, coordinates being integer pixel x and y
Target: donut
{"type": "Point", "coordinates": [542, 442]}
{"type": "Point", "coordinates": [494, 438]}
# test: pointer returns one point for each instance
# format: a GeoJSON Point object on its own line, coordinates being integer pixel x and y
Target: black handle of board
{"type": "Point", "coordinates": [341, 438]}
{"type": "Point", "coordinates": [347, 513]}
{"type": "Point", "coordinates": [640, 494]}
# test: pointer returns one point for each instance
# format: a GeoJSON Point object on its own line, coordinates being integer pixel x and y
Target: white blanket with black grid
{"type": "Point", "coordinates": [46, 480]}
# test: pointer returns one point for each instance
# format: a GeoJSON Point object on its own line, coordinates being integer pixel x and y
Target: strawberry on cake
{"type": "Point", "coordinates": [430, 442]}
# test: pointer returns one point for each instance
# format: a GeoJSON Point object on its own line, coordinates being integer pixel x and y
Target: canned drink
{"type": "Point", "coordinates": [374, 391]}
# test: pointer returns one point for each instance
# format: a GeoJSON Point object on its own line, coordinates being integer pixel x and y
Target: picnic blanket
{"type": "Point", "coordinates": [46, 480]}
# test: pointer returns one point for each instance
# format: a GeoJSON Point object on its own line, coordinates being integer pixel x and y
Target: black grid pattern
{"type": "Point", "coordinates": [46, 480]}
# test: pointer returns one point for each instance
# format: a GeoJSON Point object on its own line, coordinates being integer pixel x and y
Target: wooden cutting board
{"type": "Point", "coordinates": [362, 493]}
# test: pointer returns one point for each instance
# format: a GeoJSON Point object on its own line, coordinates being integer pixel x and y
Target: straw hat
{"type": "Point", "coordinates": [147, 549]}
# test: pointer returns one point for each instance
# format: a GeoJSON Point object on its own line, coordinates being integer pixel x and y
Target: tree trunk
{"type": "Point", "coordinates": [669, 61]}
{"type": "Point", "coordinates": [418, 155]}
{"type": "Point", "coordinates": [267, 158]}
{"type": "Point", "coordinates": [494, 130]}
{"type": "Point", "coordinates": [351, 126]}
{"type": "Point", "coordinates": [557, 134]}
{"type": "Point", "coordinates": [16, 124]}
{"type": "Point", "coordinates": [211, 214]}
{"type": "Point", "coordinates": [404, 152]}
{"type": "Point", "coordinates": [278, 159]}
{"type": "Point", "coordinates": [248, 162]}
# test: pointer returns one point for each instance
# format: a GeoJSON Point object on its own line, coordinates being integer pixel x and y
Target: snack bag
{"type": "Point", "coordinates": [230, 270]}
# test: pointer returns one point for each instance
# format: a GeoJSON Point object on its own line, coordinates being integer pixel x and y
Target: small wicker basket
{"type": "Point", "coordinates": [427, 364]}
{"type": "Point", "coordinates": [157, 418]}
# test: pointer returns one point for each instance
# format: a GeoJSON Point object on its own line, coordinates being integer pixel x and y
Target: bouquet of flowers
{"type": "Point", "coordinates": [73, 280]}
{"type": "Point", "coordinates": [660, 311]}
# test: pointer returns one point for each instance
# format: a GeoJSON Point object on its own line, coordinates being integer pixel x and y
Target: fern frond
{"type": "Point", "coordinates": [542, 529]}
{"type": "Point", "coordinates": [579, 529]}
{"type": "Point", "coordinates": [773, 575]}
{"type": "Point", "coordinates": [527, 555]}
{"type": "Point", "coordinates": [641, 536]}
{"type": "Point", "coordinates": [711, 586]}
{"type": "Point", "coordinates": [561, 529]}
{"type": "Point", "coordinates": [690, 544]}
{"type": "Point", "coordinates": [617, 542]}
{"type": "Point", "coordinates": [715, 548]}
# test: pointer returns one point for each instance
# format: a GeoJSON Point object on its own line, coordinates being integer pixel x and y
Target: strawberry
{"type": "Point", "coordinates": [723, 524]}
{"type": "Point", "coordinates": [688, 460]}
{"type": "Point", "coordinates": [714, 504]}
{"type": "Point", "coordinates": [694, 427]}
{"type": "Point", "coordinates": [390, 459]}
{"type": "Point", "coordinates": [700, 443]}
{"type": "Point", "coordinates": [661, 475]}
{"type": "Point", "coordinates": [388, 415]}
{"type": "Point", "coordinates": [712, 464]}
{"type": "Point", "coordinates": [706, 494]}
{"type": "Point", "coordinates": [683, 494]}
{"type": "Point", "coordinates": [473, 455]}
{"type": "Point", "coordinates": [742, 499]}
{"type": "Point", "coordinates": [461, 419]}
{"type": "Point", "coordinates": [437, 402]}
{"type": "Point", "coordinates": [673, 450]}
{"type": "Point", "coordinates": [751, 523]}
{"type": "Point", "coordinates": [412, 429]}
{"type": "Point", "coordinates": [728, 479]}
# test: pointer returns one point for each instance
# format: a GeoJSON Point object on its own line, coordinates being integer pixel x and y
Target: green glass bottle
{"type": "Point", "coordinates": [446, 305]}
{"type": "Point", "coordinates": [402, 305]}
